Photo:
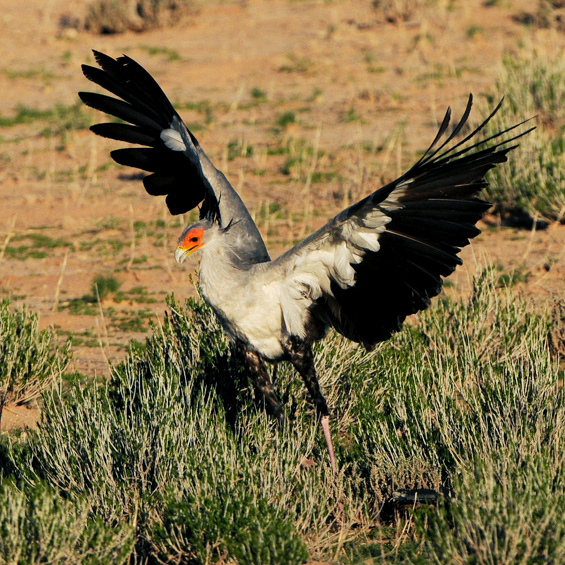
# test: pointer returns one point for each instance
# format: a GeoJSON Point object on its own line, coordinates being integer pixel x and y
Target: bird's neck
{"type": "Point", "coordinates": [220, 276]}
{"type": "Point", "coordinates": [244, 236]}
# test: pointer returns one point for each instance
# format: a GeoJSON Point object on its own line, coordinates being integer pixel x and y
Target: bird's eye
{"type": "Point", "coordinates": [194, 239]}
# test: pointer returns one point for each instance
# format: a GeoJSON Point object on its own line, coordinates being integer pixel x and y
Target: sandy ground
{"type": "Point", "coordinates": [366, 96]}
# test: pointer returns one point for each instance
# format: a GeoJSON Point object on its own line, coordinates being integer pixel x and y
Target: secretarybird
{"type": "Point", "coordinates": [375, 263]}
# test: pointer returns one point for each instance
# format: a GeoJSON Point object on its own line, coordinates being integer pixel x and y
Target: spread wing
{"type": "Point", "coordinates": [385, 257]}
{"type": "Point", "coordinates": [180, 170]}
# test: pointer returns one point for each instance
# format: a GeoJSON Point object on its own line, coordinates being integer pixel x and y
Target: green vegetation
{"type": "Point", "coordinates": [118, 16]}
{"type": "Point", "coordinates": [86, 338]}
{"type": "Point", "coordinates": [203, 107]}
{"type": "Point", "coordinates": [239, 148]}
{"type": "Point", "coordinates": [170, 54]}
{"type": "Point", "coordinates": [286, 119]}
{"type": "Point", "coordinates": [104, 247]}
{"type": "Point", "coordinates": [120, 318]}
{"type": "Point", "coordinates": [104, 285]}
{"type": "Point", "coordinates": [300, 155]}
{"type": "Point", "coordinates": [350, 115]}
{"type": "Point", "coordinates": [130, 320]}
{"type": "Point", "coordinates": [474, 30]}
{"type": "Point", "coordinates": [37, 248]}
{"type": "Point", "coordinates": [60, 118]}
{"type": "Point", "coordinates": [533, 181]}
{"type": "Point", "coordinates": [468, 401]}
{"type": "Point", "coordinates": [34, 73]}
{"type": "Point", "coordinates": [296, 64]}
{"type": "Point", "coordinates": [258, 94]}
{"type": "Point", "coordinates": [37, 525]}
{"type": "Point", "coordinates": [29, 362]}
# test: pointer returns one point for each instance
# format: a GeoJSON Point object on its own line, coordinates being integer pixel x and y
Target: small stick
{"type": "Point", "coordinates": [132, 245]}
{"type": "Point", "coordinates": [60, 281]}
{"type": "Point", "coordinates": [8, 237]}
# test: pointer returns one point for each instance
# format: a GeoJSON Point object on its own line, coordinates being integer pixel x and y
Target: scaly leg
{"type": "Point", "coordinates": [302, 358]}
{"type": "Point", "coordinates": [262, 381]}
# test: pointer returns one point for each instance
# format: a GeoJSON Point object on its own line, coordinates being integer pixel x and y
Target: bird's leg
{"type": "Point", "coordinates": [262, 382]}
{"type": "Point", "coordinates": [302, 358]}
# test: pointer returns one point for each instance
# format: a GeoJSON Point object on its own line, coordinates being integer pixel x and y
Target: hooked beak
{"type": "Point", "coordinates": [181, 253]}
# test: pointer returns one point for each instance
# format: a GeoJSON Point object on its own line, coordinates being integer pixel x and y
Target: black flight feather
{"type": "Point", "coordinates": [434, 217]}
{"type": "Point", "coordinates": [125, 132]}
{"type": "Point", "coordinates": [144, 106]}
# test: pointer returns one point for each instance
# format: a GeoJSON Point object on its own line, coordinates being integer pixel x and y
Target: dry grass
{"type": "Point", "coordinates": [118, 16]}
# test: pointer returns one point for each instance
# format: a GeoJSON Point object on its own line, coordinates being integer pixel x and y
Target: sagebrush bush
{"type": "Point", "coordinates": [117, 16]}
{"type": "Point", "coordinates": [534, 179]}
{"type": "Point", "coordinates": [176, 443]}
{"type": "Point", "coordinates": [39, 526]}
{"type": "Point", "coordinates": [396, 11]}
{"type": "Point", "coordinates": [104, 285]}
{"type": "Point", "coordinates": [507, 509]}
{"type": "Point", "coordinates": [29, 360]}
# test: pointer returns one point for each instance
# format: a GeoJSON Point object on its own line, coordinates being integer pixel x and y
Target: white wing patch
{"type": "Point", "coordinates": [310, 271]}
{"type": "Point", "coordinates": [173, 139]}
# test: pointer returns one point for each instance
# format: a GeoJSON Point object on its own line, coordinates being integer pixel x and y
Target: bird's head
{"type": "Point", "coordinates": [192, 238]}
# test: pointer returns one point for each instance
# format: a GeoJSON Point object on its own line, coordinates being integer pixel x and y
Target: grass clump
{"type": "Point", "coordinates": [286, 119]}
{"type": "Point", "coordinates": [37, 246]}
{"type": "Point", "coordinates": [167, 52]}
{"type": "Point", "coordinates": [61, 118]}
{"type": "Point", "coordinates": [118, 16]}
{"type": "Point", "coordinates": [258, 94]}
{"type": "Point", "coordinates": [396, 11]}
{"type": "Point", "coordinates": [29, 362]}
{"type": "Point", "coordinates": [105, 285]}
{"type": "Point", "coordinates": [532, 183]}
{"type": "Point", "coordinates": [228, 524]}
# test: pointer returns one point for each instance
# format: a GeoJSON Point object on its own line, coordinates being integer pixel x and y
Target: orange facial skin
{"type": "Point", "coordinates": [190, 243]}
{"type": "Point", "coordinates": [192, 240]}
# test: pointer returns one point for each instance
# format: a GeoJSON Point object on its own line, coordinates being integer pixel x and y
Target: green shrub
{"type": "Point", "coordinates": [103, 286]}
{"type": "Point", "coordinates": [286, 119]}
{"type": "Point", "coordinates": [506, 510]}
{"type": "Point", "coordinates": [534, 179]}
{"type": "Point", "coordinates": [38, 526]}
{"type": "Point", "coordinates": [29, 362]}
{"type": "Point", "coordinates": [232, 526]}
{"type": "Point", "coordinates": [466, 401]}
